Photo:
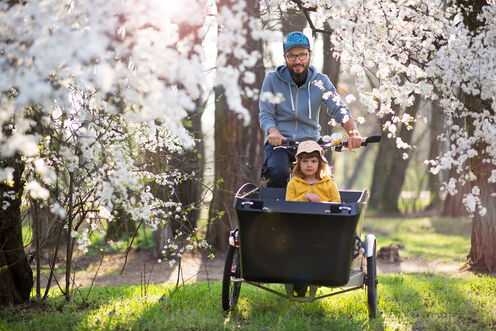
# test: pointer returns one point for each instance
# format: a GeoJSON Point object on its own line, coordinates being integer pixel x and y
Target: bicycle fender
{"type": "Point", "coordinates": [369, 245]}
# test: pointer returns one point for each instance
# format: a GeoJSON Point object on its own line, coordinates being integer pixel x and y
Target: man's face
{"type": "Point", "coordinates": [298, 60]}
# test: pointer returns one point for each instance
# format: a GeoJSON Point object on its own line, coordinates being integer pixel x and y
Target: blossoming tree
{"type": "Point", "coordinates": [438, 51]}
{"type": "Point", "coordinates": [111, 77]}
{"type": "Point", "coordinates": [85, 94]}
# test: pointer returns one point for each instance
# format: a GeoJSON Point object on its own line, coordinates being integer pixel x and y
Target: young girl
{"type": "Point", "coordinates": [311, 182]}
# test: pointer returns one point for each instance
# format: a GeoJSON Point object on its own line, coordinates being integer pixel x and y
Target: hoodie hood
{"type": "Point", "coordinates": [301, 180]}
{"type": "Point", "coordinates": [283, 73]}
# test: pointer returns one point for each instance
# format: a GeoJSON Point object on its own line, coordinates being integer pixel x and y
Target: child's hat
{"type": "Point", "coordinates": [310, 146]}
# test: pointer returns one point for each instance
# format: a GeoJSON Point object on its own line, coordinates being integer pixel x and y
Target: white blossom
{"type": "Point", "coordinates": [350, 98]}
{"type": "Point", "coordinates": [57, 209]}
{"type": "Point", "coordinates": [492, 179]}
{"type": "Point", "coordinates": [401, 144]}
{"type": "Point", "coordinates": [7, 175]}
{"type": "Point", "coordinates": [319, 84]}
{"type": "Point", "coordinates": [470, 202]}
{"type": "Point", "coordinates": [36, 191]}
{"type": "Point", "coordinates": [272, 98]}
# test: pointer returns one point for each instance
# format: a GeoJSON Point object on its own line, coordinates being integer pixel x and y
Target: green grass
{"type": "Point", "coordinates": [406, 302]}
{"type": "Point", "coordinates": [431, 239]}
{"type": "Point", "coordinates": [414, 301]}
{"type": "Point", "coordinates": [27, 235]}
{"type": "Point", "coordinates": [142, 241]}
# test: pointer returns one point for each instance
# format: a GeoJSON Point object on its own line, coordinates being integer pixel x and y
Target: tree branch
{"type": "Point", "coordinates": [309, 20]}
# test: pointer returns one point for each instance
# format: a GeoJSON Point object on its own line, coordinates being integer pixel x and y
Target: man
{"type": "Point", "coordinates": [290, 105]}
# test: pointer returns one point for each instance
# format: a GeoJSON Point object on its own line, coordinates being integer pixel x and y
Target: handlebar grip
{"type": "Point", "coordinates": [369, 140]}
{"type": "Point", "coordinates": [288, 143]}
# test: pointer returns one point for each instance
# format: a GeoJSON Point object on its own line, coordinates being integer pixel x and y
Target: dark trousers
{"type": "Point", "coordinates": [276, 164]}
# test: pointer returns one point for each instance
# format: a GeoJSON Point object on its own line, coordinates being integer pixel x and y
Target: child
{"type": "Point", "coordinates": [311, 182]}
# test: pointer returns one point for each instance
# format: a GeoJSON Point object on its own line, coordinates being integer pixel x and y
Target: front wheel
{"type": "Point", "coordinates": [231, 289]}
{"type": "Point", "coordinates": [371, 282]}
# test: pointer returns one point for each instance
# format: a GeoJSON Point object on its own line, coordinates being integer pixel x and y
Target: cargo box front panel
{"type": "Point", "coordinates": [296, 242]}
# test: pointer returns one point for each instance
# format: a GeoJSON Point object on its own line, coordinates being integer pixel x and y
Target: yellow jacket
{"type": "Point", "coordinates": [326, 189]}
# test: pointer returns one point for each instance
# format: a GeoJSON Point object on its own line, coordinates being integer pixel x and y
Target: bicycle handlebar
{"type": "Point", "coordinates": [339, 146]}
{"type": "Point", "coordinates": [335, 146]}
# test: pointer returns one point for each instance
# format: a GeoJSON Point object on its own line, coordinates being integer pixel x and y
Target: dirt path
{"type": "Point", "coordinates": [195, 267]}
{"type": "Point", "coordinates": [142, 265]}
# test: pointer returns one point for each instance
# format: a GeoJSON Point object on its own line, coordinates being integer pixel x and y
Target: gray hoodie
{"type": "Point", "coordinates": [297, 115]}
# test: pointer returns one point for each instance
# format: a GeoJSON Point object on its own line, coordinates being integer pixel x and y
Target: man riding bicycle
{"type": "Point", "coordinates": [290, 106]}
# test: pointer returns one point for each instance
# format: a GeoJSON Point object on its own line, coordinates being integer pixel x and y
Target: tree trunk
{"type": "Point", "coordinates": [189, 191]}
{"type": "Point", "coordinates": [360, 163]}
{"type": "Point", "coordinates": [121, 226]}
{"type": "Point", "coordinates": [453, 204]}
{"type": "Point", "coordinates": [238, 149]}
{"type": "Point", "coordinates": [160, 237]}
{"type": "Point", "coordinates": [390, 169]}
{"type": "Point", "coordinates": [16, 276]}
{"type": "Point", "coordinates": [482, 256]}
{"type": "Point", "coordinates": [163, 232]}
{"type": "Point", "coordinates": [330, 68]}
{"type": "Point", "coordinates": [292, 20]}
{"type": "Point", "coordinates": [190, 163]}
{"type": "Point", "coordinates": [382, 167]}
{"type": "Point", "coordinates": [46, 228]}
{"type": "Point", "coordinates": [436, 125]}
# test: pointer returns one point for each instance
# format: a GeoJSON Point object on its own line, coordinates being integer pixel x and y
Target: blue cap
{"type": "Point", "coordinates": [295, 39]}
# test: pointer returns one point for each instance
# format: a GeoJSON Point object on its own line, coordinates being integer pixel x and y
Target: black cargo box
{"type": "Point", "coordinates": [298, 242]}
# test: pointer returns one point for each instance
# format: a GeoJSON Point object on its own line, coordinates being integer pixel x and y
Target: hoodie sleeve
{"type": "Point", "coordinates": [335, 105]}
{"type": "Point", "coordinates": [267, 114]}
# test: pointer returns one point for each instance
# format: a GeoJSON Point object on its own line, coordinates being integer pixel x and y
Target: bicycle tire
{"type": "Point", "coordinates": [230, 289]}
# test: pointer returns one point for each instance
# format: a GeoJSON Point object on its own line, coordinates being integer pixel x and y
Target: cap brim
{"type": "Point", "coordinates": [293, 46]}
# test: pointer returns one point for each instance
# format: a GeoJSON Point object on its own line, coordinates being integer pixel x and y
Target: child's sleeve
{"type": "Point", "coordinates": [291, 192]}
{"type": "Point", "coordinates": [334, 192]}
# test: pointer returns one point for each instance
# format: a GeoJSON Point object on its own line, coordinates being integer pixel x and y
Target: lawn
{"type": "Point", "coordinates": [412, 301]}
{"type": "Point", "coordinates": [406, 302]}
{"type": "Point", "coordinates": [440, 239]}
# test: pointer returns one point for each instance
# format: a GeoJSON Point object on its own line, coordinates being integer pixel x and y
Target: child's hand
{"type": "Point", "coordinates": [312, 197]}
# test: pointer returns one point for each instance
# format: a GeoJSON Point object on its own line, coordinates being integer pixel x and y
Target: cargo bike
{"type": "Point", "coordinates": [300, 245]}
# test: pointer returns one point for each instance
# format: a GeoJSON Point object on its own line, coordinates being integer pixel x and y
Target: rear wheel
{"type": "Point", "coordinates": [372, 283]}
{"type": "Point", "coordinates": [231, 289]}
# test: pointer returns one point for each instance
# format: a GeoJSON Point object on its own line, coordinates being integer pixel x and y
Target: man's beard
{"type": "Point", "coordinates": [299, 78]}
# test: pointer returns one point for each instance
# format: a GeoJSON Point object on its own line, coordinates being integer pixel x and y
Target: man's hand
{"type": "Point", "coordinates": [354, 142]}
{"type": "Point", "coordinates": [312, 197]}
{"type": "Point", "coordinates": [274, 138]}
{"type": "Point", "coordinates": [354, 139]}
